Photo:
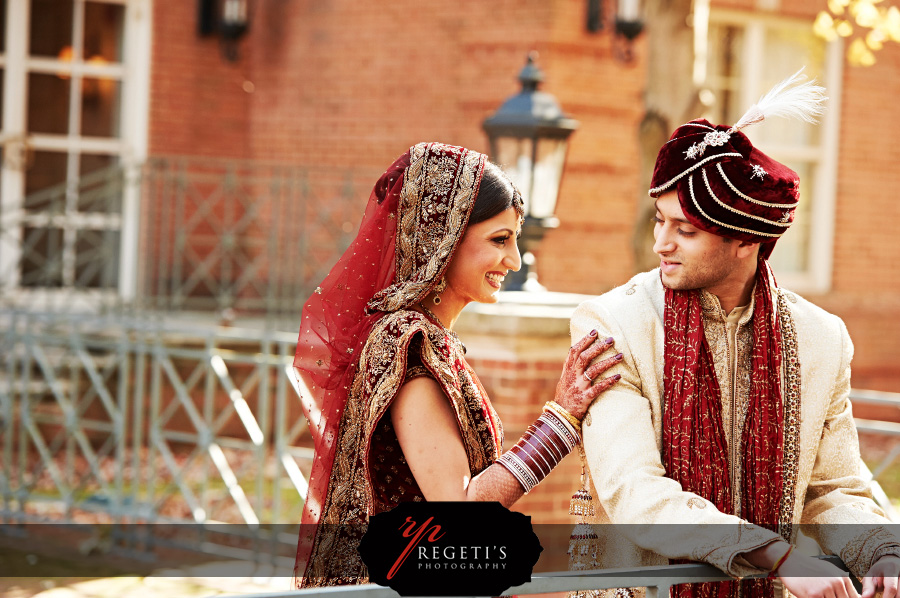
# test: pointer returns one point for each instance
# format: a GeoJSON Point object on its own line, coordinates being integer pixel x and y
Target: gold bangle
{"type": "Point", "coordinates": [560, 410]}
{"type": "Point", "coordinates": [563, 412]}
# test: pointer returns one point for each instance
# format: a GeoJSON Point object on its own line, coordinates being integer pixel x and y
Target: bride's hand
{"type": "Point", "coordinates": [578, 386]}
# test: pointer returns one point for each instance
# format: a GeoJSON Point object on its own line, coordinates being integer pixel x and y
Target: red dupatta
{"type": "Point", "coordinates": [695, 452]}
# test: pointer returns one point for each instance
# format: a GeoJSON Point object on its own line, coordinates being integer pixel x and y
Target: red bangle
{"type": "Point", "coordinates": [780, 562]}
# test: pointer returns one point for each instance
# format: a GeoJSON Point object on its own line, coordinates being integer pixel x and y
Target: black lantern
{"type": "Point", "coordinates": [529, 137]}
{"type": "Point", "coordinates": [628, 25]}
{"type": "Point", "coordinates": [228, 18]}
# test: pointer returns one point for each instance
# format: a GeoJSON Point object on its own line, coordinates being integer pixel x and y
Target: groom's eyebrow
{"type": "Point", "coordinates": [684, 220]}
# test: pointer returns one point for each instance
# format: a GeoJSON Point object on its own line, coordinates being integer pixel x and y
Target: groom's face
{"type": "Point", "coordinates": [689, 257]}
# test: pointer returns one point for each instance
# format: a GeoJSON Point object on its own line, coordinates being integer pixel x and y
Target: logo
{"type": "Point", "coordinates": [450, 548]}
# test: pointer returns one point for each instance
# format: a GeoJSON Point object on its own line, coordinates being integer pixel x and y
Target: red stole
{"type": "Point", "coordinates": [695, 450]}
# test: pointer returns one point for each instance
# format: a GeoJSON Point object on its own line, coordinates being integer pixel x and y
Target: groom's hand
{"type": "Point", "coordinates": [808, 577]}
{"type": "Point", "coordinates": [882, 576]}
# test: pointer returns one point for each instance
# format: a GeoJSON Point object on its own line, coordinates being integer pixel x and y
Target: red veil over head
{"type": "Point", "coordinates": [416, 216]}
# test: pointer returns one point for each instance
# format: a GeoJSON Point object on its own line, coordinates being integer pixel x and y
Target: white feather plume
{"type": "Point", "coordinates": [790, 98]}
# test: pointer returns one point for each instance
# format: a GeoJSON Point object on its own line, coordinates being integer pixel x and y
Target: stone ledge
{"type": "Point", "coordinates": [521, 313]}
{"type": "Point", "coordinates": [520, 327]}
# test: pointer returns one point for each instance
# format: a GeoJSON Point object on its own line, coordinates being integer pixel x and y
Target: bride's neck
{"type": "Point", "coordinates": [447, 311]}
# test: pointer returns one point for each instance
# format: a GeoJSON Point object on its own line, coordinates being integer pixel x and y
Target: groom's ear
{"type": "Point", "coordinates": [747, 249]}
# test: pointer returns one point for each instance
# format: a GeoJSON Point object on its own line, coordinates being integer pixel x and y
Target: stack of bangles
{"type": "Point", "coordinates": [543, 445]}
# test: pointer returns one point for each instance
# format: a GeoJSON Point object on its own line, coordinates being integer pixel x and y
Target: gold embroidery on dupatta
{"type": "Point", "coordinates": [435, 202]}
{"type": "Point", "coordinates": [714, 328]}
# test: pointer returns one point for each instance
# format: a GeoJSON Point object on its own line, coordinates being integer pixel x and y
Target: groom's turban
{"type": "Point", "coordinates": [725, 185]}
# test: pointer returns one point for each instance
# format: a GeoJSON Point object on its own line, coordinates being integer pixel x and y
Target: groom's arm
{"type": "Point", "coordinates": [622, 449]}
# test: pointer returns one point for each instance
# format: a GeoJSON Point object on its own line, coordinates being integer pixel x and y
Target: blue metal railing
{"type": "Point", "coordinates": [657, 580]}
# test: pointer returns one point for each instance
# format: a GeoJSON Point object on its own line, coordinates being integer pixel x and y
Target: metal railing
{"type": "Point", "coordinates": [207, 235]}
{"type": "Point", "coordinates": [252, 237]}
{"type": "Point", "coordinates": [891, 429]}
{"type": "Point", "coordinates": [152, 419]}
{"type": "Point", "coordinates": [66, 236]}
{"type": "Point", "coordinates": [657, 580]}
{"type": "Point", "coordinates": [148, 421]}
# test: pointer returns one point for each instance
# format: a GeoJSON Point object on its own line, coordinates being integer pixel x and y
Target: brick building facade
{"type": "Point", "coordinates": [339, 83]}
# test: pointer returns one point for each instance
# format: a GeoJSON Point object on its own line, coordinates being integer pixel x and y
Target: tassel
{"type": "Point", "coordinates": [583, 547]}
{"type": "Point", "coordinates": [582, 503]}
{"type": "Point", "coordinates": [790, 98]}
{"type": "Point", "coordinates": [584, 544]}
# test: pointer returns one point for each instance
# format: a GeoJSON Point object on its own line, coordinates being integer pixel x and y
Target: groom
{"type": "Point", "coordinates": [733, 405]}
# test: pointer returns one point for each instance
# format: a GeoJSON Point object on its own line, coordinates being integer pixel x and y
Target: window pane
{"type": "Point", "coordinates": [91, 163]}
{"type": "Point", "coordinates": [788, 49]}
{"type": "Point", "coordinates": [41, 263]}
{"type": "Point", "coordinates": [48, 104]}
{"type": "Point", "coordinates": [100, 185]}
{"type": "Point", "coordinates": [100, 107]}
{"type": "Point", "coordinates": [51, 26]}
{"type": "Point", "coordinates": [103, 28]}
{"type": "Point", "coordinates": [45, 179]}
{"type": "Point", "coordinates": [96, 259]}
{"type": "Point", "coordinates": [724, 72]}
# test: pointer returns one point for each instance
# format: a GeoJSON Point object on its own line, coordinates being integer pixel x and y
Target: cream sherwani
{"type": "Point", "coordinates": [623, 437]}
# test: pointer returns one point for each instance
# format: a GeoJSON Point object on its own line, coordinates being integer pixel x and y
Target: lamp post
{"type": "Point", "coordinates": [529, 137]}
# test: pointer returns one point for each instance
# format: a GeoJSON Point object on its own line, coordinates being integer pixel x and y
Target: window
{"type": "Point", "coordinates": [748, 54]}
{"type": "Point", "coordinates": [73, 110]}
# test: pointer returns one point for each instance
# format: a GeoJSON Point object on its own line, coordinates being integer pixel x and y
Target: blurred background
{"type": "Point", "coordinates": [177, 176]}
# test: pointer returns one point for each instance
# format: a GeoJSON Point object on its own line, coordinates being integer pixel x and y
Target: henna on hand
{"type": "Point", "coordinates": [576, 390]}
{"type": "Point", "coordinates": [496, 483]}
{"type": "Point", "coordinates": [578, 386]}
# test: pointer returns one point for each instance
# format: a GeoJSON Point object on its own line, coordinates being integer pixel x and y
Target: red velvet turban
{"type": "Point", "coordinates": [725, 185]}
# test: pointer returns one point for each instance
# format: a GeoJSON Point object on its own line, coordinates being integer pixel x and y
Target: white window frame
{"type": "Point", "coordinates": [817, 278]}
{"type": "Point", "coordinates": [130, 146]}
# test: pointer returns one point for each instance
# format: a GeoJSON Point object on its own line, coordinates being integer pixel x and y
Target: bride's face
{"type": "Point", "coordinates": [486, 253]}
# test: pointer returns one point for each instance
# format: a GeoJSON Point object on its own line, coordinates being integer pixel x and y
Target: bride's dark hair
{"type": "Point", "coordinates": [496, 194]}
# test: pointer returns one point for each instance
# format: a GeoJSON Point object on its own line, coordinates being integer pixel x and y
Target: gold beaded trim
{"type": "Point", "coordinates": [563, 412]}
{"type": "Point", "coordinates": [791, 417]}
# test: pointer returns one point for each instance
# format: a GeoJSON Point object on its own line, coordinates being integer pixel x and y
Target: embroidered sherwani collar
{"type": "Point", "coordinates": [712, 307]}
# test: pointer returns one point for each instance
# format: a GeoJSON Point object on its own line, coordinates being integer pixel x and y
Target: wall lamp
{"type": "Point", "coordinates": [227, 18]}
{"type": "Point", "coordinates": [627, 24]}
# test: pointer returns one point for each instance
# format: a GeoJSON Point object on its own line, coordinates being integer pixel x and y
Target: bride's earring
{"type": "Point", "coordinates": [441, 286]}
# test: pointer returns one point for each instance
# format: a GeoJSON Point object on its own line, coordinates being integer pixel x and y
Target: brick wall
{"type": "Point", "coordinates": [518, 390]}
{"type": "Point", "coordinates": [198, 106]}
{"type": "Point", "coordinates": [349, 84]}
